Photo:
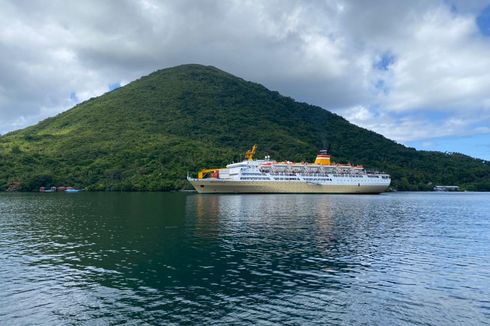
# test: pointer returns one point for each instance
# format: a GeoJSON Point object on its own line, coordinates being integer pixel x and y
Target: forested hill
{"type": "Point", "coordinates": [148, 134]}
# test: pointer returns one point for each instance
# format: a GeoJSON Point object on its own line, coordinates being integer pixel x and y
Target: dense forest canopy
{"type": "Point", "coordinates": [147, 135]}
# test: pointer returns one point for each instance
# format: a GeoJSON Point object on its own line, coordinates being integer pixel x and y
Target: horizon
{"type": "Point", "coordinates": [415, 73]}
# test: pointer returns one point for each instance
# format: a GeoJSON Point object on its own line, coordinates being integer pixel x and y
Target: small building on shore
{"type": "Point", "coordinates": [446, 188]}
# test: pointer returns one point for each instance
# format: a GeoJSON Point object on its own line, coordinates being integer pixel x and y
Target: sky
{"type": "Point", "coordinates": [417, 72]}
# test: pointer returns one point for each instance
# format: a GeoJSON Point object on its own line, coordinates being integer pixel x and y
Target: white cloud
{"type": "Point", "coordinates": [409, 127]}
{"type": "Point", "coordinates": [321, 52]}
{"type": "Point", "coordinates": [441, 66]}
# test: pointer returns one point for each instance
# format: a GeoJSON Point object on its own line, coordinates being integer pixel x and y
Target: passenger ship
{"type": "Point", "coordinates": [269, 176]}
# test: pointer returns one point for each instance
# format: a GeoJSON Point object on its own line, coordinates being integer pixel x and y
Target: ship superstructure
{"type": "Point", "coordinates": [269, 176]}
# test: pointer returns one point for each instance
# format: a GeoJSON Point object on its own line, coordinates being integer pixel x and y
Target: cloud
{"type": "Point", "coordinates": [440, 66]}
{"type": "Point", "coordinates": [409, 127]}
{"type": "Point", "coordinates": [408, 70]}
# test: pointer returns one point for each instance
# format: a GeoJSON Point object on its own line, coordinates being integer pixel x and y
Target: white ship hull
{"type": "Point", "coordinates": [226, 186]}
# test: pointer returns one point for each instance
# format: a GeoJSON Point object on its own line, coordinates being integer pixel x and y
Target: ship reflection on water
{"type": "Point", "coordinates": [294, 235]}
{"type": "Point", "coordinates": [268, 227]}
{"type": "Point", "coordinates": [266, 244]}
{"type": "Point", "coordinates": [271, 211]}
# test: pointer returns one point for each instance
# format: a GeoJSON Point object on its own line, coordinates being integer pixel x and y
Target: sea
{"type": "Point", "coordinates": [402, 258]}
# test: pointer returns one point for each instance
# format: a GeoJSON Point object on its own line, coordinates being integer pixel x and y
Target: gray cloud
{"type": "Point", "coordinates": [322, 52]}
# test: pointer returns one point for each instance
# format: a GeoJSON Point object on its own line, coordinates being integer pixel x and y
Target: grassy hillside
{"type": "Point", "coordinates": [148, 134]}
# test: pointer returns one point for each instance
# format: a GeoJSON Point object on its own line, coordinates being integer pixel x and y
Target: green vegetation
{"type": "Point", "coordinates": [147, 135]}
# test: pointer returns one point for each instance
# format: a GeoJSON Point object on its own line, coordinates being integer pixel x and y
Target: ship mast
{"type": "Point", "coordinates": [249, 155]}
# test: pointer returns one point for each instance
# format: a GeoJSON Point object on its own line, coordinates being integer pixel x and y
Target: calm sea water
{"type": "Point", "coordinates": [176, 258]}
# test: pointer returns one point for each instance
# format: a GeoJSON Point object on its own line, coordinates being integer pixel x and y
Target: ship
{"type": "Point", "coordinates": [269, 176]}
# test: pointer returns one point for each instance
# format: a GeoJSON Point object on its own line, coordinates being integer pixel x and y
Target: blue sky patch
{"type": "Point", "coordinates": [380, 86]}
{"type": "Point", "coordinates": [114, 86]}
{"type": "Point", "coordinates": [483, 21]}
{"type": "Point", "coordinates": [384, 63]}
{"type": "Point", "coordinates": [74, 97]}
{"type": "Point", "coordinates": [476, 145]}
{"type": "Point", "coordinates": [434, 116]}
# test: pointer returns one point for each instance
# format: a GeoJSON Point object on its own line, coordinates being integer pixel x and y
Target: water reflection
{"type": "Point", "coordinates": [187, 258]}
{"type": "Point", "coordinates": [277, 238]}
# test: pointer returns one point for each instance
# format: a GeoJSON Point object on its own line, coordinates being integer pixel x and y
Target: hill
{"type": "Point", "coordinates": [148, 134]}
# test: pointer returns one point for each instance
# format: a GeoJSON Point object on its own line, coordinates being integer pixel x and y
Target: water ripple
{"type": "Point", "coordinates": [142, 259]}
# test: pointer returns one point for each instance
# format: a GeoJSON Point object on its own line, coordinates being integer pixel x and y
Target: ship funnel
{"type": "Point", "coordinates": [323, 158]}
